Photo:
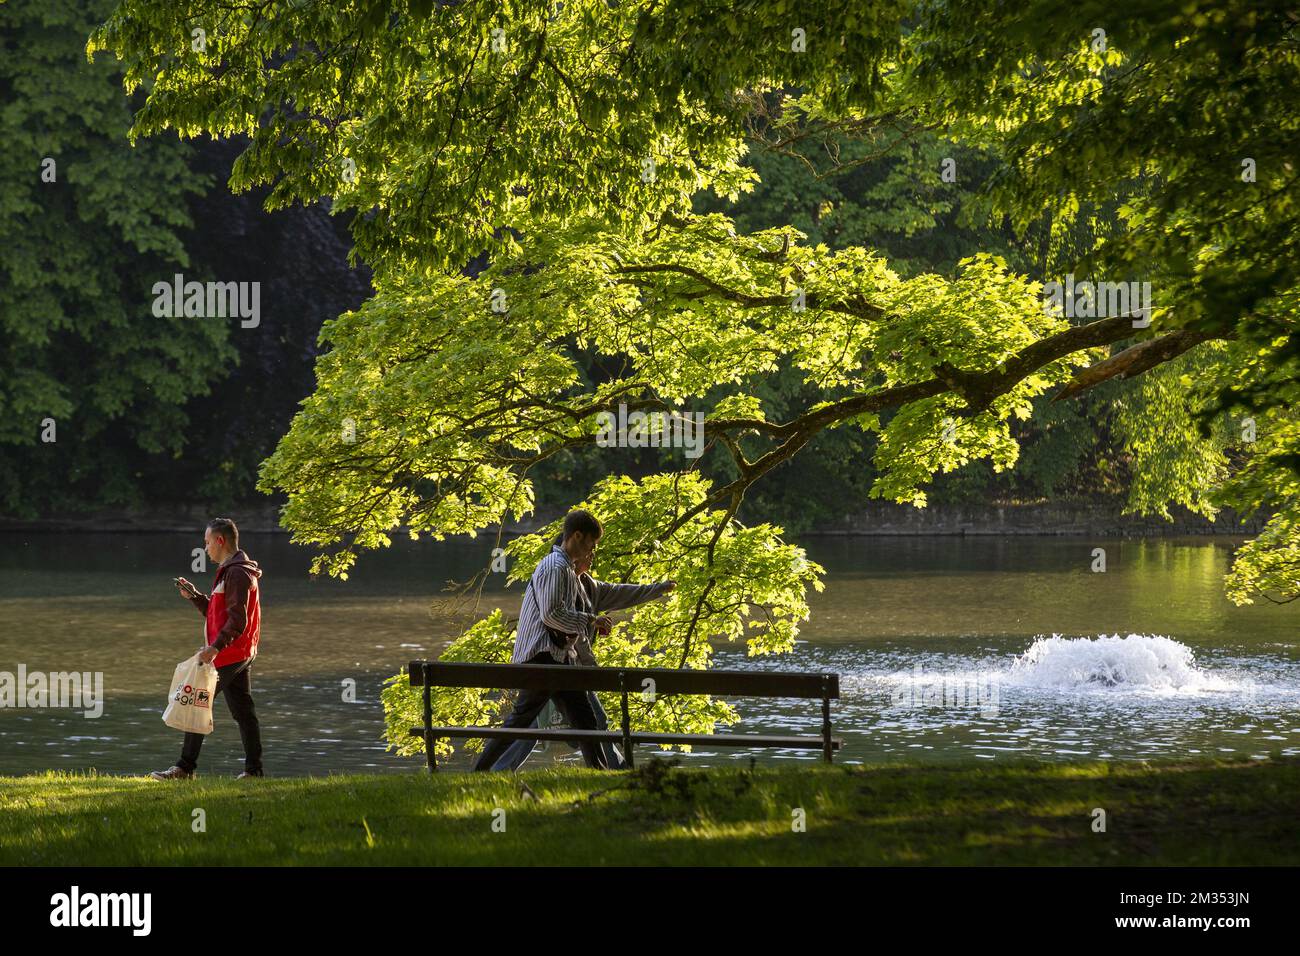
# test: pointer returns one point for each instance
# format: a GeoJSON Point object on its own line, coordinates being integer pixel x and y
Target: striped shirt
{"type": "Point", "coordinates": [556, 600]}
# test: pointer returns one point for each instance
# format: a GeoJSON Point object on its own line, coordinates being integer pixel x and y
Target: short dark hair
{"type": "Point", "coordinates": [581, 521]}
{"type": "Point", "coordinates": [226, 528]}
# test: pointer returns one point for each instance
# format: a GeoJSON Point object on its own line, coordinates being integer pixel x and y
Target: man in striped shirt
{"type": "Point", "coordinates": [551, 622]}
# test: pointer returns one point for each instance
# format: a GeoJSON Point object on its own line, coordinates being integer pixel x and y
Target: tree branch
{"type": "Point", "coordinates": [1133, 361]}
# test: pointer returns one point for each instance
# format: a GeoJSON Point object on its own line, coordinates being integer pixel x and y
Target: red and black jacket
{"type": "Point", "coordinates": [233, 611]}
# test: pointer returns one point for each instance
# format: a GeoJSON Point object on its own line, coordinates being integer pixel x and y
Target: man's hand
{"type": "Point", "coordinates": [208, 654]}
{"type": "Point", "coordinates": [185, 588]}
{"type": "Point", "coordinates": [672, 586]}
{"type": "Point", "coordinates": [603, 624]}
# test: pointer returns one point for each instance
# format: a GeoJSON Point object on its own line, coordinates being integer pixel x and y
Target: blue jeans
{"type": "Point", "coordinates": [518, 751]}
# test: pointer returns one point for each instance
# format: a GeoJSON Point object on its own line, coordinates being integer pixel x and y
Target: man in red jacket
{"type": "Point", "coordinates": [233, 628]}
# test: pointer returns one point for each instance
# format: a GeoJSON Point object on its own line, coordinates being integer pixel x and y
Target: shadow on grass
{"type": "Point", "coordinates": [1185, 813]}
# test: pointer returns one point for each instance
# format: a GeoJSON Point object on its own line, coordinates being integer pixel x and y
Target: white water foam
{"type": "Point", "coordinates": [1138, 662]}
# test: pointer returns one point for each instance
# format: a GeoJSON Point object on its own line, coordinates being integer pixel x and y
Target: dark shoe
{"type": "Point", "coordinates": [172, 773]}
{"type": "Point", "coordinates": [249, 773]}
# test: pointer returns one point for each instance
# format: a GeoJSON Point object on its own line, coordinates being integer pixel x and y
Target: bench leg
{"type": "Point", "coordinates": [828, 751]}
{"type": "Point", "coordinates": [627, 732]}
{"type": "Point", "coordinates": [428, 724]}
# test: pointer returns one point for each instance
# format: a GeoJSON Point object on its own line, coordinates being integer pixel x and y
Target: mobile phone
{"type": "Point", "coordinates": [186, 587]}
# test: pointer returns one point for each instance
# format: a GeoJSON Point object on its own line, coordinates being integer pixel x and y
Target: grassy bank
{"type": "Point", "coordinates": [1184, 813]}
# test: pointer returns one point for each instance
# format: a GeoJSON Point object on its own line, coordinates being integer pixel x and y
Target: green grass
{"type": "Point", "coordinates": [1176, 813]}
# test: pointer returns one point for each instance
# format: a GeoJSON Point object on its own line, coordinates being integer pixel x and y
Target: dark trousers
{"type": "Point", "coordinates": [520, 750]}
{"type": "Point", "coordinates": [236, 682]}
{"type": "Point", "coordinates": [574, 706]}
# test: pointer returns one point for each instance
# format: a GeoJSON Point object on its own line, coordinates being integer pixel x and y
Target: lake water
{"type": "Point", "coordinates": [948, 649]}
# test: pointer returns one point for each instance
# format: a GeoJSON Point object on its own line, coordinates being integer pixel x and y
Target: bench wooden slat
{"type": "Point", "coordinates": [667, 680]}
{"type": "Point", "coordinates": [735, 740]}
{"type": "Point", "coordinates": [521, 733]}
{"type": "Point", "coordinates": [639, 737]}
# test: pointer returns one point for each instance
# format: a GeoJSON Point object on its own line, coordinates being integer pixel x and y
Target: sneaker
{"type": "Point", "coordinates": [249, 773]}
{"type": "Point", "coordinates": [172, 773]}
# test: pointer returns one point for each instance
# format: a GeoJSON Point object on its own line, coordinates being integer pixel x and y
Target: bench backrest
{"type": "Point", "coordinates": [667, 680]}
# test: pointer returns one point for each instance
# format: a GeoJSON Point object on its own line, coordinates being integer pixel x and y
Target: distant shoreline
{"type": "Point", "coordinates": [874, 519]}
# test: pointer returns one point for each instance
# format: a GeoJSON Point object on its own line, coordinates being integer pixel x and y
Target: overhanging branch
{"type": "Point", "coordinates": [1133, 361]}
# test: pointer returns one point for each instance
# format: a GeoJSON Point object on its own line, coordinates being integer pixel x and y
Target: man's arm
{"type": "Point", "coordinates": [238, 583]}
{"type": "Point", "coordinates": [615, 597]}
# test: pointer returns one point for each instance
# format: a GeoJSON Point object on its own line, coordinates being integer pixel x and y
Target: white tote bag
{"type": "Point", "coordinates": [189, 707]}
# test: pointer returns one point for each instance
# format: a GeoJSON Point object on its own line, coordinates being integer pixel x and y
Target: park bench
{"type": "Point", "coordinates": [662, 681]}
